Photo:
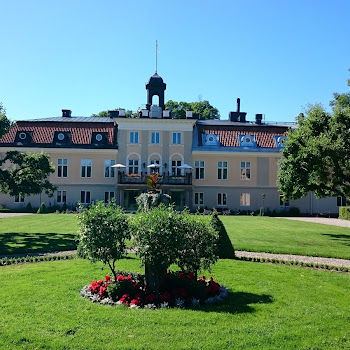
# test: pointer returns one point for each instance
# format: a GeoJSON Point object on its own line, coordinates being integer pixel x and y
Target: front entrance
{"type": "Point", "coordinates": [178, 198]}
{"type": "Point", "coordinates": [130, 199]}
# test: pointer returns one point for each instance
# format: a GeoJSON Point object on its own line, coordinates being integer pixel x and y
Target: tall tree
{"type": "Point", "coordinates": [23, 173]}
{"type": "Point", "coordinates": [203, 108]}
{"type": "Point", "coordinates": [316, 156]}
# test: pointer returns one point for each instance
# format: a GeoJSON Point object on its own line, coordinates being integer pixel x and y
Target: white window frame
{"type": "Point", "coordinates": [284, 203]}
{"type": "Point", "coordinates": [134, 137]}
{"type": "Point", "coordinates": [176, 138]}
{"type": "Point", "coordinates": [19, 198]}
{"type": "Point", "coordinates": [246, 173]}
{"type": "Point", "coordinates": [62, 167]}
{"type": "Point", "coordinates": [108, 170]}
{"type": "Point", "coordinates": [341, 201]}
{"type": "Point", "coordinates": [222, 199]}
{"type": "Point", "coordinates": [222, 170]}
{"type": "Point", "coordinates": [133, 164]}
{"type": "Point", "coordinates": [85, 167]}
{"type": "Point", "coordinates": [155, 138]}
{"type": "Point", "coordinates": [109, 195]}
{"type": "Point", "coordinates": [244, 199]}
{"type": "Point", "coordinates": [60, 196]}
{"type": "Point", "coordinates": [87, 194]}
{"type": "Point", "coordinates": [199, 171]}
{"type": "Point", "coordinates": [175, 171]}
{"type": "Point", "coordinates": [199, 199]}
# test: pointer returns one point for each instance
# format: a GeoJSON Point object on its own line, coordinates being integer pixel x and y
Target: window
{"type": "Point", "coordinates": [341, 201]}
{"type": "Point", "coordinates": [109, 196]}
{"type": "Point", "coordinates": [86, 167]}
{"type": "Point", "coordinates": [176, 138]}
{"type": "Point", "coordinates": [221, 198]}
{"type": "Point", "coordinates": [198, 198]}
{"type": "Point", "coordinates": [199, 169]}
{"type": "Point", "coordinates": [222, 170]}
{"type": "Point", "coordinates": [61, 196]}
{"type": "Point", "coordinates": [134, 137]}
{"type": "Point", "coordinates": [62, 167]}
{"type": "Point", "coordinates": [109, 171]}
{"type": "Point", "coordinates": [245, 199]}
{"type": "Point", "coordinates": [155, 137]}
{"type": "Point", "coordinates": [133, 166]}
{"type": "Point", "coordinates": [19, 198]}
{"type": "Point", "coordinates": [175, 170]}
{"type": "Point", "coordinates": [245, 170]}
{"type": "Point", "coordinates": [284, 202]}
{"type": "Point", "coordinates": [60, 136]}
{"type": "Point", "coordinates": [85, 197]}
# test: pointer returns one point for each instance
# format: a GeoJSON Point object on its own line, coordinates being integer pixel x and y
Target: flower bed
{"type": "Point", "coordinates": [177, 290]}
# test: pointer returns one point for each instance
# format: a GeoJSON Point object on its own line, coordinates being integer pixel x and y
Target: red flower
{"type": "Point", "coordinates": [120, 278]}
{"type": "Point", "coordinates": [150, 298]}
{"type": "Point", "coordinates": [107, 278]}
{"type": "Point", "coordinates": [135, 302]}
{"type": "Point", "coordinates": [191, 276]}
{"type": "Point", "coordinates": [165, 297]}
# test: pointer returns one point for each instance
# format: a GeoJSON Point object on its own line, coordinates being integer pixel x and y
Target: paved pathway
{"type": "Point", "coordinates": [326, 221]}
{"type": "Point", "coordinates": [10, 215]}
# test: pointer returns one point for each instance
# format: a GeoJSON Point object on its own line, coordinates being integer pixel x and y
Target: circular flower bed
{"type": "Point", "coordinates": [177, 290]}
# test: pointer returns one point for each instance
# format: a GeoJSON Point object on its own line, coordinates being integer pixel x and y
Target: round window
{"type": "Point", "coordinates": [99, 137]}
{"type": "Point", "coordinates": [60, 136]}
{"type": "Point", "coordinates": [211, 138]}
{"type": "Point", "coordinates": [22, 135]}
{"type": "Point", "coordinates": [247, 139]}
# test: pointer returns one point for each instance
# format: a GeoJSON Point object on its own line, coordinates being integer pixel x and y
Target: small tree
{"type": "Point", "coordinates": [199, 250]}
{"type": "Point", "coordinates": [157, 237]}
{"type": "Point", "coordinates": [103, 233]}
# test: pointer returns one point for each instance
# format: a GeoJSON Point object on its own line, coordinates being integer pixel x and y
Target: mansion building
{"type": "Point", "coordinates": [224, 164]}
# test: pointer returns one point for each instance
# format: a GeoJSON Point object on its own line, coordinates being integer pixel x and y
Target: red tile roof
{"type": "Point", "coordinates": [44, 134]}
{"type": "Point", "coordinates": [230, 137]}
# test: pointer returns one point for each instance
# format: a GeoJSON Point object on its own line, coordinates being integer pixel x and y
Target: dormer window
{"type": "Point", "coordinates": [211, 140]}
{"type": "Point", "coordinates": [247, 141]}
{"type": "Point", "coordinates": [60, 136]}
{"type": "Point", "coordinates": [98, 137]}
{"type": "Point", "coordinates": [280, 141]}
{"type": "Point", "coordinates": [22, 135]}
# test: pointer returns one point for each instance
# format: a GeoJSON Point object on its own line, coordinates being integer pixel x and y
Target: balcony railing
{"type": "Point", "coordinates": [165, 179]}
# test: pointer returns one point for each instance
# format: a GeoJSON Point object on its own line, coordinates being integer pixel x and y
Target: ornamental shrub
{"type": "Point", "coordinates": [200, 244]}
{"type": "Point", "coordinates": [344, 213]}
{"type": "Point", "coordinates": [103, 231]}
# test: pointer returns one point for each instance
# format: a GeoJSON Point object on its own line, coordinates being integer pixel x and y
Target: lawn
{"type": "Point", "coordinates": [270, 307]}
{"type": "Point", "coordinates": [55, 232]}
{"type": "Point", "coordinates": [276, 235]}
{"type": "Point", "coordinates": [38, 233]}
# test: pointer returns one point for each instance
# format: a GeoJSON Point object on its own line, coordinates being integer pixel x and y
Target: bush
{"type": "Point", "coordinates": [103, 231]}
{"type": "Point", "coordinates": [344, 213]}
{"type": "Point", "coordinates": [42, 209]}
{"type": "Point", "coordinates": [225, 247]}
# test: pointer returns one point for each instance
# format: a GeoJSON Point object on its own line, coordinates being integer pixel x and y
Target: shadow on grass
{"type": "Point", "coordinates": [341, 238]}
{"type": "Point", "coordinates": [239, 302]}
{"type": "Point", "coordinates": [20, 242]}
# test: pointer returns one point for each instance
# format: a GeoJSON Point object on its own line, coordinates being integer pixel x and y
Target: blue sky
{"type": "Point", "coordinates": [89, 56]}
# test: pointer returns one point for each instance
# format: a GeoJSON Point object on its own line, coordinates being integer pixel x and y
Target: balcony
{"type": "Point", "coordinates": [166, 179]}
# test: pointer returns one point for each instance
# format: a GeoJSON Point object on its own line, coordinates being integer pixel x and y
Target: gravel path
{"type": "Point", "coordinates": [326, 221]}
{"type": "Point", "coordinates": [10, 215]}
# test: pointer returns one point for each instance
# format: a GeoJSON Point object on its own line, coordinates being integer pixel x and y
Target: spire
{"type": "Point", "coordinates": [156, 55]}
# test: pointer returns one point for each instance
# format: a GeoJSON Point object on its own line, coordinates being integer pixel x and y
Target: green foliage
{"type": "Point", "coordinates": [316, 156]}
{"type": "Point", "coordinates": [117, 289]}
{"type": "Point", "coordinates": [200, 243]}
{"type": "Point", "coordinates": [5, 123]}
{"type": "Point", "coordinates": [42, 209]}
{"type": "Point", "coordinates": [27, 174]}
{"type": "Point", "coordinates": [103, 231]}
{"type": "Point", "coordinates": [344, 213]}
{"type": "Point", "coordinates": [225, 246]}
{"type": "Point", "coordinates": [203, 108]}
{"type": "Point", "coordinates": [102, 114]}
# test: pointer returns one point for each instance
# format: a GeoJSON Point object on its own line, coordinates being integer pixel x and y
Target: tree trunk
{"type": "Point", "coordinates": [154, 276]}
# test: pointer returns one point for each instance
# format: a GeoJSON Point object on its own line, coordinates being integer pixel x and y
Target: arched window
{"type": "Point", "coordinates": [133, 163]}
{"type": "Point", "coordinates": [176, 160]}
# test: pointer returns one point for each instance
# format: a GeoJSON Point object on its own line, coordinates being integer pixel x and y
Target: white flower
{"type": "Point", "coordinates": [150, 306]}
{"type": "Point", "coordinates": [134, 306]}
{"type": "Point", "coordinates": [164, 305]}
{"type": "Point", "coordinates": [195, 302]}
{"type": "Point", "coordinates": [179, 303]}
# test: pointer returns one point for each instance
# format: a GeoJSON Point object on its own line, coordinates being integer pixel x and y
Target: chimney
{"type": "Point", "coordinates": [238, 105]}
{"type": "Point", "coordinates": [66, 113]}
{"type": "Point", "coordinates": [258, 119]}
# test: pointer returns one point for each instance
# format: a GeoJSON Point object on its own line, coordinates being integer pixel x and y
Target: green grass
{"type": "Point", "coordinates": [38, 233]}
{"type": "Point", "coordinates": [270, 307]}
{"type": "Point", "coordinates": [273, 235]}
{"type": "Point", "coordinates": [55, 232]}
